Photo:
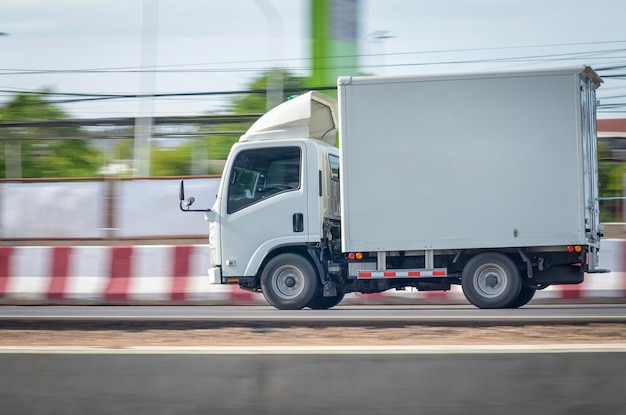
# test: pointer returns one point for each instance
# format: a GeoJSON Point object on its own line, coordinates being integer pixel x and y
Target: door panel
{"type": "Point", "coordinates": [265, 192]}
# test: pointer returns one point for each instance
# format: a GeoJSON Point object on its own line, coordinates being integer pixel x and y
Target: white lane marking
{"type": "Point", "coordinates": [314, 350]}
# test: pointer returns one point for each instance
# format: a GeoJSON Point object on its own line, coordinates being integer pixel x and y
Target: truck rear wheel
{"type": "Point", "coordinates": [289, 282]}
{"type": "Point", "coordinates": [525, 295]}
{"type": "Point", "coordinates": [491, 280]}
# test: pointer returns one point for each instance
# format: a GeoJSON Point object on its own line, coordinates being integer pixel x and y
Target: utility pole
{"type": "Point", "coordinates": [274, 89]}
{"type": "Point", "coordinates": [380, 36]}
{"type": "Point", "coordinates": [145, 110]}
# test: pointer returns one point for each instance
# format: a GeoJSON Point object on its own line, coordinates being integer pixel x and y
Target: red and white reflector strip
{"type": "Point", "coordinates": [405, 273]}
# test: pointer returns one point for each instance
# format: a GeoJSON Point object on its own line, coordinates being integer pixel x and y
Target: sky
{"type": "Point", "coordinates": [95, 46]}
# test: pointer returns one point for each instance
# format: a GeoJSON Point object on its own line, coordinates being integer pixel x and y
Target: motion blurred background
{"type": "Point", "coordinates": [105, 104]}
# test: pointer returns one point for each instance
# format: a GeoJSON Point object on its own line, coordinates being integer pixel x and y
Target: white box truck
{"type": "Point", "coordinates": [488, 180]}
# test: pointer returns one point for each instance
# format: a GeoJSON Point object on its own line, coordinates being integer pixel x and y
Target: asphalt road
{"type": "Point", "coordinates": [461, 379]}
{"type": "Point", "coordinates": [390, 313]}
{"type": "Point", "coordinates": [357, 383]}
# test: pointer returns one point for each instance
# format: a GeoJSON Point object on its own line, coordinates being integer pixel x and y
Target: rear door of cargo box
{"type": "Point", "coordinates": [590, 159]}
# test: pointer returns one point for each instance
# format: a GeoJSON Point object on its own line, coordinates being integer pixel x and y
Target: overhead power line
{"type": "Point", "coordinates": [261, 65]}
{"type": "Point", "coordinates": [97, 97]}
{"type": "Point", "coordinates": [130, 121]}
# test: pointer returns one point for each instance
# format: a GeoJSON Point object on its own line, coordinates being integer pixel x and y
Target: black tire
{"type": "Point", "coordinates": [525, 295]}
{"type": "Point", "coordinates": [491, 280]}
{"type": "Point", "coordinates": [289, 282]}
{"type": "Point", "coordinates": [324, 303]}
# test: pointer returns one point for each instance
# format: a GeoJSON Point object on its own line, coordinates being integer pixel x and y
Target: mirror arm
{"type": "Point", "coordinates": [185, 208]}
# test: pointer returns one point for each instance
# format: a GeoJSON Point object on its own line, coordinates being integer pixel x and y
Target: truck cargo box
{"type": "Point", "coordinates": [463, 161]}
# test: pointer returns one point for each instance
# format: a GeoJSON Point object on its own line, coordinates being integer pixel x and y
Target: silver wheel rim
{"type": "Point", "coordinates": [288, 282]}
{"type": "Point", "coordinates": [491, 280]}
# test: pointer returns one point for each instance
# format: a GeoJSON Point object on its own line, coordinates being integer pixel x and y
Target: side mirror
{"type": "Point", "coordinates": [184, 204]}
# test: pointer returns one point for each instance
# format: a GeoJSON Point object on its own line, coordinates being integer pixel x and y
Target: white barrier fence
{"type": "Point", "coordinates": [177, 273]}
{"type": "Point", "coordinates": [102, 209]}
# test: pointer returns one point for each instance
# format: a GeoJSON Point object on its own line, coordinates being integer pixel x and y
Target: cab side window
{"type": "Point", "coordinates": [261, 173]}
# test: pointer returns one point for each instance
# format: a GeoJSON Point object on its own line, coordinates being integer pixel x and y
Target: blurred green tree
{"type": "Point", "coordinates": [256, 103]}
{"type": "Point", "coordinates": [67, 156]}
{"type": "Point", "coordinates": [611, 173]}
{"type": "Point", "coordinates": [218, 146]}
{"type": "Point", "coordinates": [72, 155]}
{"type": "Point", "coordinates": [205, 155]}
{"type": "Point", "coordinates": [171, 161]}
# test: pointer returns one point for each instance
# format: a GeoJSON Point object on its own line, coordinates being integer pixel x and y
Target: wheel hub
{"type": "Point", "coordinates": [491, 281]}
{"type": "Point", "coordinates": [289, 282]}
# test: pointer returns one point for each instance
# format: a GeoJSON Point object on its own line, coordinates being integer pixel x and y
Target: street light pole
{"type": "Point", "coordinates": [274, 89]}
{"type": "Point", "coordinates": [145, 110]}
{"type": "Point", "coordinates": [379, 36]}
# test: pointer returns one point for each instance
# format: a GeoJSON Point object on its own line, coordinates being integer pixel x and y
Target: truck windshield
{"type": "Point", "coordinates": [260, 173]}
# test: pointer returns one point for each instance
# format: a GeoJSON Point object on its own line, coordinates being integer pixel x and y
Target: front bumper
{"type": "Point", "coordinates": [215, 275]}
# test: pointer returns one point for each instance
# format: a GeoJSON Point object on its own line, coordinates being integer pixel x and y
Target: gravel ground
{"type": "Point", "coordinates": [137, 335]}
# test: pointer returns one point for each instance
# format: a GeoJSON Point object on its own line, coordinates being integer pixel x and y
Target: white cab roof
{"type": "Point", "coordinates": [310, 115]}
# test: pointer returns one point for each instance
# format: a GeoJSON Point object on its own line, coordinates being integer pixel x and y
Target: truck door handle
{"type": "Point", "coordinates": [298, 222]}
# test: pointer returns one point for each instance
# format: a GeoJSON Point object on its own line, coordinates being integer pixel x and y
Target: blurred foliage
{"type": "Point", "coordinates": [64, 158]}
{"type": "Point", "coordinates": [611, 177]}
{"type": "Point", "coordinates": [45, 158]}
{"type": "Point", "coordinates": [31, 107]}
{"type": "Point", "coordinates": [203, 155]}
{"type": "Point", "coordinates": [123, 149]}
{"type": "Point", "coordinates": [80, 157]}
{"type": "Point", "coordinates": [218, 146]}
{"type": "Point", "coordinates": [171, 161]}
{"type": "Point", "coordinates": [256, 103]}
{"type": "Point", "coordinates": [608, 172]}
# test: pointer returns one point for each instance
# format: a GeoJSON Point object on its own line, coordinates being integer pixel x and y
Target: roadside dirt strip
{"type": "Point", "coordinates": [190, 333]}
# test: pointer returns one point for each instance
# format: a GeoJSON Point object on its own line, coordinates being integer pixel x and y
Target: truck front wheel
{"type": "Point", "coordinates": [491, 280]}
{"type": "Point", "coordinates": [289, 282]}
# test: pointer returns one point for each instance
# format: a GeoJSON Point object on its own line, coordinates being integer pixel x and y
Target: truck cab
{"type": "Point", "coordinates": [279, 188]}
